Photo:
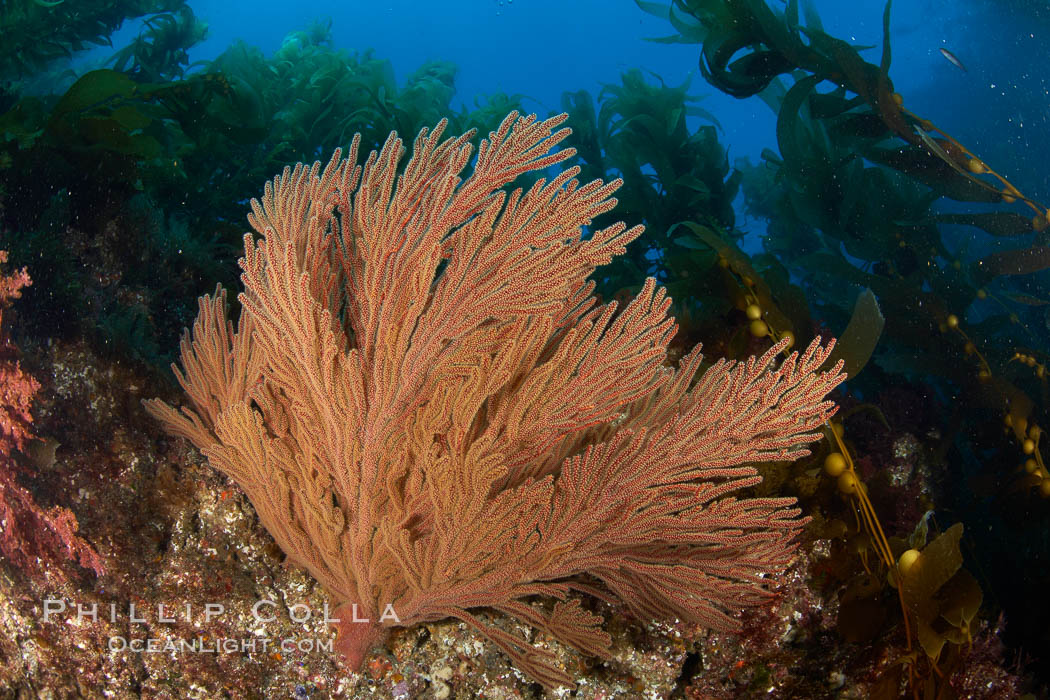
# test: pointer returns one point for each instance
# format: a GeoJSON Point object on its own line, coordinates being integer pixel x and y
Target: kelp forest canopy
{"type": "Point", "coordinates": [123, 195]}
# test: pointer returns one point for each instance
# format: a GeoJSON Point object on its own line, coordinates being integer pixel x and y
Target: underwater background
{"type": "Point", "coordinates": [857, 170]}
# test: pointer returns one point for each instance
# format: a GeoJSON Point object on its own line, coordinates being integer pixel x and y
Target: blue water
{"type": "Point", "coordinates": [541, 48]}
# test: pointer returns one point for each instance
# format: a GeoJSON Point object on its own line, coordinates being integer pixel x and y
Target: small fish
{"type": "Point", "coordinates": [954, 61]}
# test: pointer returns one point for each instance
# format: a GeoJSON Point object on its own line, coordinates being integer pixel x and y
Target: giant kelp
{"type": "Point", "coordinates": [140, 169]}
{"type": "Point", "coordinates": [827, 175]}
{"type": "Point", "coordinates": [866, 194]}
{"type": "Point", "coordinates": [641, 130]}
{"type": "Point", "coordinates": [37, 32]}
{"type": "Point", "coordinates": [160, 52]}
